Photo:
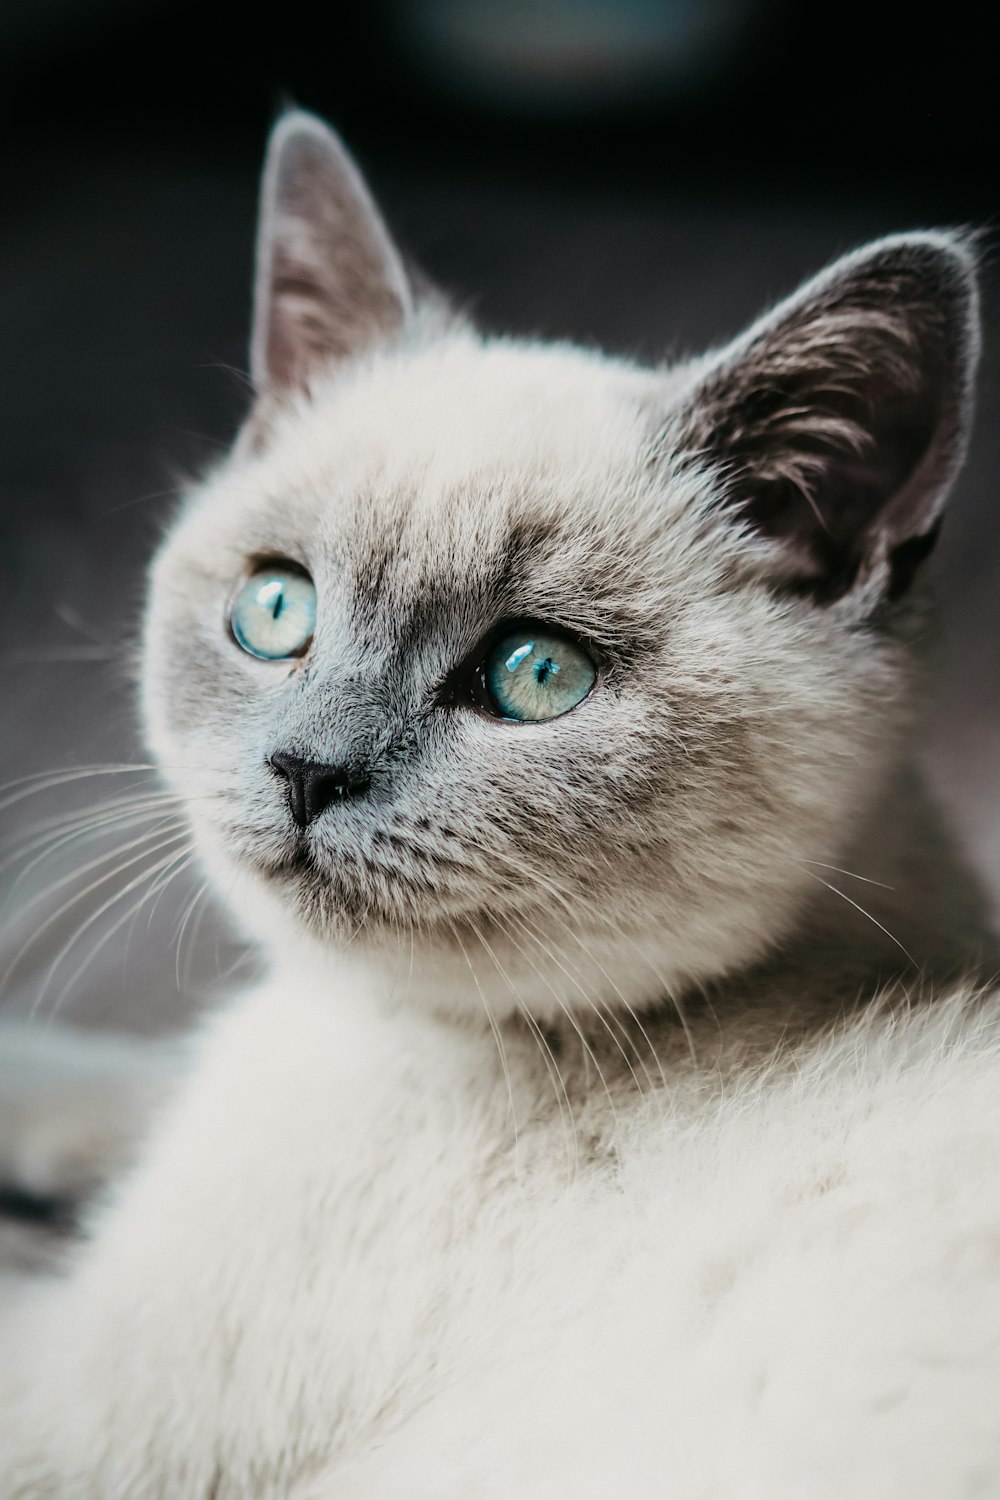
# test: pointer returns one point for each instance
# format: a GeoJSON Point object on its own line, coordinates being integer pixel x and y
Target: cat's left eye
{"type": "Point", "coordinates": [274, 614]}
{"type": "Point", "coordinates": [535, 673]}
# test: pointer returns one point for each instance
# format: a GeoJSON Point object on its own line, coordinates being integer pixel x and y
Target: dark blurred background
{"type": "Point", "coordinates": [643, 174]}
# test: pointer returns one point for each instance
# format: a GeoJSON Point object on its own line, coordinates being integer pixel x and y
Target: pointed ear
{"type": "Point", "coordinates": [329, 279]}
{"type": "Point", "coordinates": [839, 421]}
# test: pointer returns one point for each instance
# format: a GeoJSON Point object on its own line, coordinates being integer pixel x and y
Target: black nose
{"type": "Point", "coordinates": [312, 787]}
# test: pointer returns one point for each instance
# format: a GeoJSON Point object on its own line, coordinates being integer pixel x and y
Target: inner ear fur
{"type": "Point", "coordinates": [837, 423]}
{"type": "Point", "coordinates": [329, 279]}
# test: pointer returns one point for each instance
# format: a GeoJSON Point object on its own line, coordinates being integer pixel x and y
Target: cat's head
{"type": "Point", "coordinates": [537, 672]}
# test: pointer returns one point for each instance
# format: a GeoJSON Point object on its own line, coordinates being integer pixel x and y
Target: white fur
{"type": "Point", "coordinates": [776, 1278]}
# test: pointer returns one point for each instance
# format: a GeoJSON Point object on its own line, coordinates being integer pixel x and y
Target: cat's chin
{"type": "Point", "coordinates": [458, 967]}
{"type": "Point", "coordinates": [298, 864]}
{"type": "Point", "coordinates": [454, 959]}
{"type": "Point", "coordinates": [325, 902]}
{"type": "Point", "coordinates": [293, 891]}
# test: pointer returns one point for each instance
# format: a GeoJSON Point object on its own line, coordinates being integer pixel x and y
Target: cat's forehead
{"type": "Point", "coordinates": [453, 481]}
{"type": "Point", "coordinates": [461, 437]}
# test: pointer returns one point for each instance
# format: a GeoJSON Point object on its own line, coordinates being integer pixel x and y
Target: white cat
{"type": "Point", "coordinates": [546, 721]}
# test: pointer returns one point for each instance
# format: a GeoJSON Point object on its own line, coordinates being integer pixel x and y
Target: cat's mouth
{"type": "Point", "coordinates": [323, 898]}
{"type": "Point", "coordinates": [332, 891]}
{"type": "Point", "coordinates": [330, 895]}
{"type": "Point", "coordinates": [298, 863]}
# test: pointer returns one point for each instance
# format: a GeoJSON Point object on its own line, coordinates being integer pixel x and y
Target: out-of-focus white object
{"type": "Point", "coordinates": [567, 55]}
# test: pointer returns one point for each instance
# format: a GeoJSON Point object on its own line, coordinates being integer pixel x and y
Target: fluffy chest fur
{"type": "Point", "coordinates": [716, 1279]}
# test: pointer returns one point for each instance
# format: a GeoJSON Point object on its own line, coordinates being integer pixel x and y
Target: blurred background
{"type": "Point", "coordinates": [642, 174]}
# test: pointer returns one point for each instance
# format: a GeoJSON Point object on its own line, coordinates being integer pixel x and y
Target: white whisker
{"type": "Point", "coordinates": [841, 871]}
{"type": "Point", "coordinates": [496, 1037]}
{"type": "Point", "coordinates": [94, 916]}
{"type": "Point", "coordinates": [551, 1064]}
{"type": "Point", "coordinates": [585, 996]}
{"type": "Point", "coordinates": [97, 829]}
{"type": "Point", "coordinates": [199, 897]}
{"type": "Point", "coordinates": [44, 781]}
{"type": "Point", "coordinates": [844, 897]}
{"type": "Point", "coordinates": [95, 864]}
{"type": "Point", "coordinates": [171, 869]}
{"type": "Point", "coordinates": [588, 1051]}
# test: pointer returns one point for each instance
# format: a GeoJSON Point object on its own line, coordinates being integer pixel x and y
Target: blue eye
{"type": "Point", "coordinates": [537, 674]}
{"type": "Point", "coordinates": [274, 614]}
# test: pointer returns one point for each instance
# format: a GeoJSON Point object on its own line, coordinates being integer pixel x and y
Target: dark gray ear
{"type": "Point", "coordinates": [329, 279]}
{"type": "Point", "coordinates": [839, 421]}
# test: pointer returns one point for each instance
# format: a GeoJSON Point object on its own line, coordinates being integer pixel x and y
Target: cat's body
{"type": "Point", "coordinates": [773, 1275]}
{"type": "Point", "coordinates": [588, 1137]}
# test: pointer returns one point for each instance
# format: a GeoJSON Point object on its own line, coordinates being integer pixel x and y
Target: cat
{"type": "Point", "coordinates": [619, 1112]}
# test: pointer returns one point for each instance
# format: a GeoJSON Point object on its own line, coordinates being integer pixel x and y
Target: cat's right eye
{"type": "Point", "coordinates": [273, 616]}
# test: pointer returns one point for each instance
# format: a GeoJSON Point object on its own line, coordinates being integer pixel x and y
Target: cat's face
{"type": "Point", "coordinates": [581, 730]}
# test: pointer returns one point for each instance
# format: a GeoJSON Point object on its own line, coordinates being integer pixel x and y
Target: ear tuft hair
{"type": "Point", "coordinates": [329, 279]}
{"type": "Point", "coordinates": [839, 421]}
